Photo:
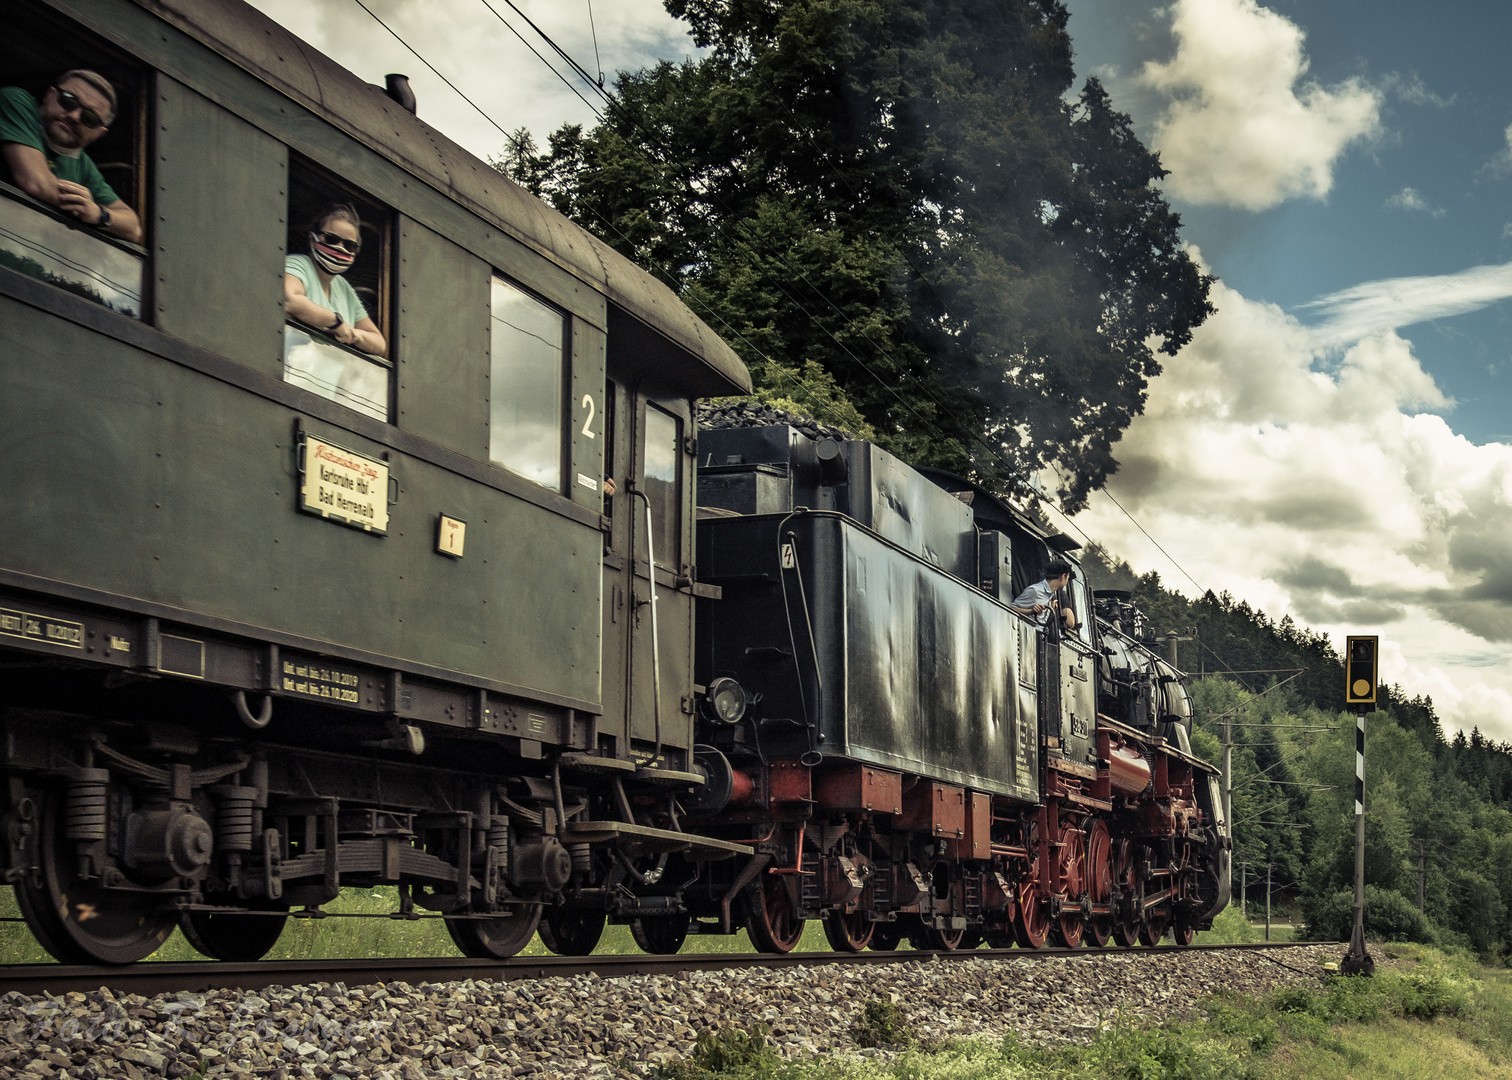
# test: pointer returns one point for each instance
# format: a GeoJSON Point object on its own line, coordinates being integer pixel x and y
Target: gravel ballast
{"type": "Point", "coordinates": [586, 1026]}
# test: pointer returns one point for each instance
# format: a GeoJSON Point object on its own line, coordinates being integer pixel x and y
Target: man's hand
{"type": "Point", "coordinates": [346, 334]}
{"type": "Point", "coordinates": [75, 199]}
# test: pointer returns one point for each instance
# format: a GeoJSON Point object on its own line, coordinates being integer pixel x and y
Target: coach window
{"type": "Point", "coordinates": [664, 483]}
{"type": "Point", "coordinates": [527, 358]}
{"type": "Point", "coordinates": [342, 272]}
{"type": "Point", "coordinates": [41, 238]}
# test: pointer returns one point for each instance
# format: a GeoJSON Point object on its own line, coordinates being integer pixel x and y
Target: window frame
{"type": "Point", "coordinates": [679, 485]}
{"type": "Point", "coordinates": [91, 51]}
{"type": "Point", "coordinates": [384, 221]}
{"type": "Point", "coordinates": [563, 412]}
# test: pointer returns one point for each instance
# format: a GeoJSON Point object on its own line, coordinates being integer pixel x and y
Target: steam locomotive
{"type": "Point", "coordinates": [279, 618]}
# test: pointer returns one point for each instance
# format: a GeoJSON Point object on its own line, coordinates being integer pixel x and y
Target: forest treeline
{"type": "Point", "coordinates": [1438, 822]}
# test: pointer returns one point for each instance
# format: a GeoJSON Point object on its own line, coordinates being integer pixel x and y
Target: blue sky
{"type": "Point", "coordinates": [1445, 107]}
{"type": "Point", "coordinates": [1335, 443]}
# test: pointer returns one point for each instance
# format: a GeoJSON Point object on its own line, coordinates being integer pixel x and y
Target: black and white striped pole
{"type": "Point", "coordinates": [1360, 696]}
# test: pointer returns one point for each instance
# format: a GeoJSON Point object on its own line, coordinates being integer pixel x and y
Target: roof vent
{"type": "Point", "coordinates": [398, 88]}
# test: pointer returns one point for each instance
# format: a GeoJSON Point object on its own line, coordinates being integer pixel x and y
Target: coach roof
{"type": "Point", "coordinates": [262, 47]}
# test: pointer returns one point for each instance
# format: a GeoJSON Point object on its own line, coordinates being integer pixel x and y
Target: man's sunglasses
{"type": "Point", "coordinates": [68, 102]}
{"type": "Point", "coordinates": [332, 240]}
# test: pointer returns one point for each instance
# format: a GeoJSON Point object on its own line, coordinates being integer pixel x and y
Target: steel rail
{"type": "Point", "coordinates": [149, 978]}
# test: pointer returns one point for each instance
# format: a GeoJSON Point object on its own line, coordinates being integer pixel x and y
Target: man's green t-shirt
{"type": "Point", "coordinates": [21, 122]}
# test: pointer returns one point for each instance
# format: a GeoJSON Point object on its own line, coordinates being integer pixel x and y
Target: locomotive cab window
{"type": "Point", "coordinates": [72, 133]}
{"type": "Point", "coordinates": [663, 483]}
{"type": "Point", "coordinates": [1076, 598]}
{"type": "Point", "coordinates": [335, 297]}
{"type": "Point", "coordinates": [527, 362]}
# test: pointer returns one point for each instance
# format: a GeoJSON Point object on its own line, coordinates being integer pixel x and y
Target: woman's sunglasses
{"type": "Point", "coordinates": [70, 103]}
{"type": "Point", "coordinates": [332, 240]}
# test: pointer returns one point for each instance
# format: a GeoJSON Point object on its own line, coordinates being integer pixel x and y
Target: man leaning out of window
{"type": "Point", "coordinates": [43, 146]}
{"type": "Point", "coordinates": [1043, 599]}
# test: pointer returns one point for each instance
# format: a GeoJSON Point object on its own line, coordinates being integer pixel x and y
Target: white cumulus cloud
{"type": "Point", "coordinates": [1329, 490]}
{"type": "Point", "coordinates": [1244, 126]}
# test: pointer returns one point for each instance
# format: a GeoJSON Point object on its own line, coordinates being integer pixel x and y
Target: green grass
{"type": "Point", "coordinates": [1428, 1015]}
{"type": "Point", "coordinates": [1231, 928]}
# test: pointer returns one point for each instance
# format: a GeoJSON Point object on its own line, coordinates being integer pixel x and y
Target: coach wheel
{"type": "Point", "coordinates": [1126, 874]}
{"type": "Point", "coordinates": [886, 937]}
{"type": "Point", "coordinates": [569, 932]}
{"type": "Point", "coordinates": [239, 937]}
{"type": "Point", "coordinates": [848, 933]}
{"type": "Point", "coordinates": [773, 924]}
{"type": "Point", "coordinates": [1069, 926]}
{"type": "Point", "coordinates": [75, 919]}
{"type": "Point", "coordinates": [1154, 928]}
{"type": "Point", "coordinates": [660, 934]}
{"type": "Point", "coordinates": [1099, 881]}
{"type": "Point", "coordinates": [497, 938]}
{"type": "Point", "coordinates": [1031, 920]}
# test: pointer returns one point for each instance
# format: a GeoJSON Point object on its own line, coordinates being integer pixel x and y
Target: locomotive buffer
{"type": "Point", "coordinates": [1360, 696]}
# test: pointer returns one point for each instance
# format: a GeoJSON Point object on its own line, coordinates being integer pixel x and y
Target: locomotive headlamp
{"type": "Point", "coordinates": [727, 700]}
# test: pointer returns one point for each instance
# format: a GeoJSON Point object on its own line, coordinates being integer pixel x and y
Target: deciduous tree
{"type": "Point", "coordinates": [901, 193]}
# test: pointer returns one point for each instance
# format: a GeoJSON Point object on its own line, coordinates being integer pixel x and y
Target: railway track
{"type": "Point", "coordinates": [157, 978]}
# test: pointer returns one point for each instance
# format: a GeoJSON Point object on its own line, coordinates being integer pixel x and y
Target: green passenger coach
{"type": "Point", "coordinates": [280, 616]}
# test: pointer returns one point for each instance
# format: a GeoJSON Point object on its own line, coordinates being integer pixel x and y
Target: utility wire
{"type": "Point", "coordinates": [394, 34]}
{"type": "Point", "coordinates": [733, 331]}
{"type": "Point", "coordinates": [597, 62]}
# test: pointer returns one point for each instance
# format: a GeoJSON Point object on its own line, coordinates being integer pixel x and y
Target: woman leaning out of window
{"type": "Point", "coordinates": [317, 295]}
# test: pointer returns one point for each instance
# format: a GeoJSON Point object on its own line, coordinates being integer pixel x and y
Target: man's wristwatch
{"type": "Point", "coordinates": [335, 325]}
{"type": "Point", "coordinates": [104, 222]}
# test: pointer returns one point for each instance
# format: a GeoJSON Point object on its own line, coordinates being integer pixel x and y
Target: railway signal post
{"type": "Point", "coordinates": [1360, 696]}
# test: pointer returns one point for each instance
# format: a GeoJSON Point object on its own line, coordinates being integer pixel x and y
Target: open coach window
{"type": "Point", "coordinates": [527, 362]}
{"type": "Point", "coordinates": [336, 295]}
{"type": "Point", "coordinates": [72, 120]}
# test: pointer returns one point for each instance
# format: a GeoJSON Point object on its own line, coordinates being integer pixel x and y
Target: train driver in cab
{"type": "Point", "coordinates": [43, 146]}
{"type": "Point", "coordinates": [316, 294]}
{"type": "Point", "coordinates": [1042, 599]}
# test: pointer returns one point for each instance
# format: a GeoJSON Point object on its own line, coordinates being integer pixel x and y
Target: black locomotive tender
{"type": "Point", "coordinates": [268, 632]}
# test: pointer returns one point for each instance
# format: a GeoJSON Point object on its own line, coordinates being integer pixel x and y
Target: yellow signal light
{"type": "Point", "coordinates": [1360, 670]}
